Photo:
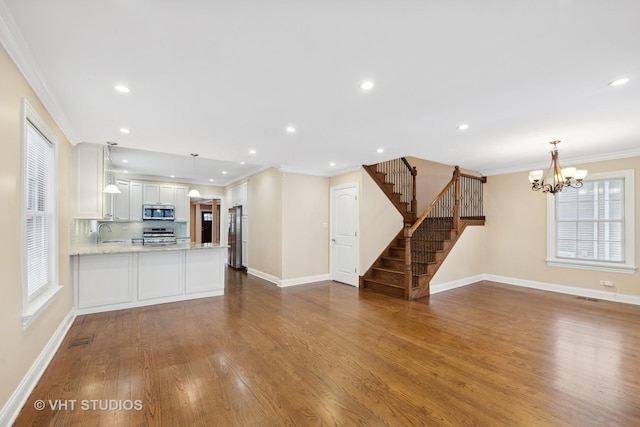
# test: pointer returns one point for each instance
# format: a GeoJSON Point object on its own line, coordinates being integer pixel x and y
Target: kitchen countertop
{"type": "Point", "coordinates": [121, 247]}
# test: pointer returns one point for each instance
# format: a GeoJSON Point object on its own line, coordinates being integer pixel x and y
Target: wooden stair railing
{"type": "Point", "coordinates": [430, 239]}
{"type": "Point", "coordinates": [397, 179]}
{"type": "Point", "coordinates": [406, 266]}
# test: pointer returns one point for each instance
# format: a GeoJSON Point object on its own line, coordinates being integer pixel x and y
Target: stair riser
{"type": "Point", "coordinates": [384, 289]}
{"type": "Point", "coordinates": [393, 264]}
{"type": "Point", "coordinates": [396, 252]}
{"type": "Point", "coordinates": [388, 277]}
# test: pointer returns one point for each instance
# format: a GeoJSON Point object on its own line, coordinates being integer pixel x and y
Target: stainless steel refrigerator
{"type": "Point", "coordinates": [235, 237]}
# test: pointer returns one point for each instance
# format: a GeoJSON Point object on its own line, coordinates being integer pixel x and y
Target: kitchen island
{"type": "Point", "coordinates": [115, 276]}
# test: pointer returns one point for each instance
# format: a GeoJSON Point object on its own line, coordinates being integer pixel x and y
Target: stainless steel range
{"type": "Point", "coordinates": [158, 237]}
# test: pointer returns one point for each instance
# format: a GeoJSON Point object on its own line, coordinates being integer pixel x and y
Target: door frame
{"type": "Point", "coordinates": [332, 226]}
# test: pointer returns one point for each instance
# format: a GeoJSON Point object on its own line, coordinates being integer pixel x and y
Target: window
{"type": "Point", "coordinates": [592, 227]}
{"type": "Point", "coordinates": [40, 258]}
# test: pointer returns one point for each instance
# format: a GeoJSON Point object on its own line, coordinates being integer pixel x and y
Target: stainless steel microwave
{"type": "Point", "coordinates": [158, 212]}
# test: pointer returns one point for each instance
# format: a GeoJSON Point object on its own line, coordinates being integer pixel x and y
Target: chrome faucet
{"type": "Point", "coordinates": [100, 228]}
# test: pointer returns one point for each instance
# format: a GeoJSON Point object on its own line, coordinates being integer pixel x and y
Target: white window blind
{"type": "Point", "coordinates": [590, 222]}
{"type": "Point", "coordinates": [39, 211]}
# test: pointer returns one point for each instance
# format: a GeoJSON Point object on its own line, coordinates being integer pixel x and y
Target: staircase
{"type": "Point", "coordinates": [406, 266]}
{"type": "Point", "coordinates": [397, 179]}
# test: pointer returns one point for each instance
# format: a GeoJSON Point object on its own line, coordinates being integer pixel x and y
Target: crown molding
{"type": "Point", "coordinates": [573, 160]}
{"type": "Point", "coordinates": [18, 50]}
{"type": "Point", "coordinates": [317, 172]}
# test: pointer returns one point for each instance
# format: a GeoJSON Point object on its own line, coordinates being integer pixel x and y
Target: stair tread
{"type": "Point", "coordinates": [388, 270]}
{"type": "Point", "coordinates": [391, 285]}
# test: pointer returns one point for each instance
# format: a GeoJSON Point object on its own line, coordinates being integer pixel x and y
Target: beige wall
{"type": "Point", "coordinates": [431, 179]}
{"type": "Point", "coordinates": [380, 221]}
{"type": "Point", "coordinates": [466, 259]}
{"type": "Point", "coordinates": [516, 227]}
{"type": "Point", "coordinates": [305, 225]}
{"type": "Point", "coordinates": [265, 222]}
{"type": "Point", "coordinates": [21, 348]}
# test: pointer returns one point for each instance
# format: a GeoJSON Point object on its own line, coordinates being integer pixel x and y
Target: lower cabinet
{"type": "Point", "coordinates": [203, 269]}
{"type": "Point", "coordinates": [104, 282]}
{"type": "Point", "coordinates": [160, 274]}
{"type": "Point", "coordinates": [107, 279]}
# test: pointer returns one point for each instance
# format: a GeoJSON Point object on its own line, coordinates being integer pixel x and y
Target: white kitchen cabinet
{"type": "Point", "coordinates": [106, 279]}
{"type": "Point", "coordinates": [88, 181]}
{"type": "Point", "coordinates": [151, 193]}
{"type": "Point", "coordinates": [238, 196]}
{"type": "Point", "coordinates": [245, 241]}
{"type": "Point", "coordinates": [182, 204]}
{"type": "Point", "coordinates": [243, 199]}
{"type": "Point", "coordinates": [203, 271]}
{"type": "Point", "coordinates": [140, 276]}
{"type": "Point", "coordinates": [160, 274]}
{"type": "Point", "coordinates": [135, 201]}
{"type": "Point", "coordinates": [121, 201]}
{"type": "Point", "coordinates": [167, 194]}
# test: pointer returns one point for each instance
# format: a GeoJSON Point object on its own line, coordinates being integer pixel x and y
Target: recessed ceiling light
{"type": "Point", "coordinates": [172, 176]}
{"type": "Point", "coordinates": [332, 164]}
{"type": "Point", "coordinates": [252, 151]}
{"type": "Point", "coordinates": [619, 82]}
{"type": "Point", "coordinates": [125, 171]}
{"type": "Point", "coordinates": [123, 89]}
{"type": "Point", "coordinates": [366, 85]}
{"type": "Point", "coordinates": [211, 180]}
{"type": "Point", "coordinates": [242, 163]}
{"type": "Point", "coordinates": [224, 172]}
{"type": "Point", "coordinates": [463, 126]}
{"type": "Point", "coordinates": [125, 161]}
{"type": "Point", "coordinates": [125, 130]}
{"type": "Point", "coordinates": [291, 129]}
{"type": "Point", "coordinates": [380, 150]}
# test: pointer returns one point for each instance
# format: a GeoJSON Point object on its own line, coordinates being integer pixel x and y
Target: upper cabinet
{"type": "Point", "coordinates": [121, 201]}
{"type": "Point", "coordinates": [151, 194]}
{"type": "Point", "coordinates": [88, 199]}
{"type": "Point", "coordinates": [182, 203]}
{"type": "Point", "coordinates": [92, 171]}
{"type": "Point", "coordinates": [135, 201]}
{"type": "Point", "coordinates": [238, 197]}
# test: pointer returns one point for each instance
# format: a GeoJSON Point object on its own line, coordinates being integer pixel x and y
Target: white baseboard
{"type": "Point", "coordinates": [441, 287]}
{"type": "Point", "coordinates": [563, 289]}
{"type": "Point", "coordinates": [265, 276]}
{"type": "Point", "coordinates": [302, 280]}
{"type": "Point", "coordinates": [146, 303]}
{"type": "Point", "coordinates": [282, 283]}
{"type": "Point", "coordinates": [13, 406]}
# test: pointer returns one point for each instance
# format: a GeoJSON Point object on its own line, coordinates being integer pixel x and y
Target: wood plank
{"type": "Point", "coordinates": [326, 354]}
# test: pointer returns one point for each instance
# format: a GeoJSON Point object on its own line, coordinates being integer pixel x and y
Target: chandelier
{"type": "Point", "coordinates": [556, 178]}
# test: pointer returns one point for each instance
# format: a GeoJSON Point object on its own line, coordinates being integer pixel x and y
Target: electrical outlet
{"type": "Point", "coordinates": [607, 283]}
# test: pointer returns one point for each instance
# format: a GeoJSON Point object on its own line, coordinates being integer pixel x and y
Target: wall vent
{"type": "Point", "coordinates": [78, 341]}
{"type": "Point", "coordinates": [589, 299]}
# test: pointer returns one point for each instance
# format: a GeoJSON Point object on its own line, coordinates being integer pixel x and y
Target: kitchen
{"type": "Point", "coordinates": [135, 240]}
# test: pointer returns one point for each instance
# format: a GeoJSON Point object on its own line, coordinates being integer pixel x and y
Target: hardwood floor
{"type": "Point", "coordinates": [325, 354]}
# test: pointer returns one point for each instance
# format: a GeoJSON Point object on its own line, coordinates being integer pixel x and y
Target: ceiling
{"type": "Point", "coordinates": [221, 78]}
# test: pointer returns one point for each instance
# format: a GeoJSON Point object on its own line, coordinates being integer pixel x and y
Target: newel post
{"type": "Point", "coordinates": [456, 206]}
{"type": "Point", "coordinates": [407, 262]}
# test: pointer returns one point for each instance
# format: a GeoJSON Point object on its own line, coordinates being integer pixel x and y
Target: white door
{"type": "Point", "coordinates": [344, 234]}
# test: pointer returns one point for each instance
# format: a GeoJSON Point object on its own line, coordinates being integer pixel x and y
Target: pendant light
{"type": "Point", "coordinates": [111, 188]}
{"type": "Point", "coordinates": [556, 178]}
{"type": "Point", "coordinates": [194, 192]}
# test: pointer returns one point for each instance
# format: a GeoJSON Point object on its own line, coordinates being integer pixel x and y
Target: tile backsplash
{"type": "Point", "coordinates": [84, 231]}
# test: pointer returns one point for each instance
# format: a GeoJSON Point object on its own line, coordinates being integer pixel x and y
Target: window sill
{"type": "Point", "coordinates": [37, 306]}
{"type": "Point", "coordinates": [592, 265]}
